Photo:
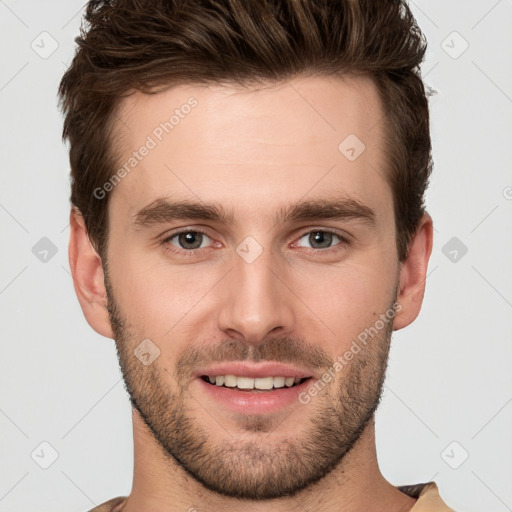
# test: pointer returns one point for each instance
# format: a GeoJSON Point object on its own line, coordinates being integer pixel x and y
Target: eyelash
{"type": "Point", "coordinates": [193, 252]}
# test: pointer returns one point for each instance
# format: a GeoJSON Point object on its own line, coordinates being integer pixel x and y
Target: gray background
{"type": "Point", "coordinates": [447, 408]}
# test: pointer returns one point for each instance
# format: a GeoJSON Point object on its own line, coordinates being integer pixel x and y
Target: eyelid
{"type": "Point", "coordinates": [169, 235]}
{"type": "Point", "coordinates": [345, 239]}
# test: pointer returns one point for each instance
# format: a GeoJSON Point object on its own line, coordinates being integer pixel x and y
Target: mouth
{"type": "Point", "coordinates": [255, 385]}
{"type": "Point", "coordinates": [253, 388]}
{"type": "Point", "coordinates": [243, 395]}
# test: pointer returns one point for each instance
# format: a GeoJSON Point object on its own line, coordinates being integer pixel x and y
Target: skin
{"type": "Point", "coordinates": [254, 150]}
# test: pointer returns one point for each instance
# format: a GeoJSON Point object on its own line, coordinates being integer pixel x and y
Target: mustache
{"type": "Point", "coordinates": [280, 349]}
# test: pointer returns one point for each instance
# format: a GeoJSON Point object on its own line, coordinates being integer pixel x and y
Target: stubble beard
{"type": "Point", "coordinates": [251, 466]}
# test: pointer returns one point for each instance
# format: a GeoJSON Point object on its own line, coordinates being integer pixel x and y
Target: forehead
{"type": "Point", "coordinates": [252, 146]}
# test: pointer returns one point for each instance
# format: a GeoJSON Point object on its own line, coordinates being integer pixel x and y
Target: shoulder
{"type": "Point", "coordinates": [113, 505]}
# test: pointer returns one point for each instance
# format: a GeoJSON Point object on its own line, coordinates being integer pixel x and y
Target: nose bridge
{"type": "Point", "coordinates": [255, 300]}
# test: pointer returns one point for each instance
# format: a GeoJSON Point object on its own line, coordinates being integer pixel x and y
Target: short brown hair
{"type": "Point", "coordinates": [150, 45]}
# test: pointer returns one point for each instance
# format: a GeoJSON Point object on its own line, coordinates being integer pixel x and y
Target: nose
{"type": "Point", "coordinates": [257, 300]}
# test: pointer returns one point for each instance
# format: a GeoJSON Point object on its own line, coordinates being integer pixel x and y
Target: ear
{"type": "Point", "coordinates": [88, 277]}
{"type": "Point", "coordinates": [413, 272]}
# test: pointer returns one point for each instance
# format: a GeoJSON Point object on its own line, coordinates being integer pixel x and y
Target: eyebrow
{"type": "Point", "coordinates": [163, 210]}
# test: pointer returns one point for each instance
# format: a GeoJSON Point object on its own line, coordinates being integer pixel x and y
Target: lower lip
{"type": "Point", "coordinates": [254, 402]}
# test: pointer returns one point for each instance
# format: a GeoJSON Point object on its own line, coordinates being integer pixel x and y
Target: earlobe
{"type": "Point", "coordinates": [413, 274]}
{"type": "Point", "coordinates": [88, 278]}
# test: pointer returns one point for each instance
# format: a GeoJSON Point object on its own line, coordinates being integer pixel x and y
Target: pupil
{"type": "Point", "coordinates": [320, 237]}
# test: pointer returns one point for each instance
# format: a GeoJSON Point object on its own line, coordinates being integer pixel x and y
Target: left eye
{"type": "Point", "coordinates": [321, 238]}
{"type": "Point", "coordinates": [189, 239]}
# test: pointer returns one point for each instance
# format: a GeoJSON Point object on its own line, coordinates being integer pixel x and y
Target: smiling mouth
{"type": "Point", "coordinates": [258, 385]}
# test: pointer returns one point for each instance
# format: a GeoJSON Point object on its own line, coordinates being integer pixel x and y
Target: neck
{"type": "Point", "coordinates": [160, 484]}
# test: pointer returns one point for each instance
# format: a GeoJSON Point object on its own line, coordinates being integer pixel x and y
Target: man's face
{"type": "Point", "coordinates": [258, 286]}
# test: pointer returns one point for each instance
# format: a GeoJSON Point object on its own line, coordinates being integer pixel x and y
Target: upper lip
{"type": "Point", "coordinates": [254, 370]}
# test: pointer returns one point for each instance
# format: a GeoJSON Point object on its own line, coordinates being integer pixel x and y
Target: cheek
{"type": "Point", "coordinates": [348, 299]}
{"type": "Point", "coordinates": [161, 299]}
{"type": "Point", "coordinates": [155, 296]}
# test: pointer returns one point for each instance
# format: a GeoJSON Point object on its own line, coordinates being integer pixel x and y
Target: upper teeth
{"type": "Point", "coordinates": [250, 383]}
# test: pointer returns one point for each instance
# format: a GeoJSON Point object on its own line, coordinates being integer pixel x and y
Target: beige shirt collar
{"type": "Point", "coordinates": [428, 497]}
{"type": "Point", "coordinates": [427, 494]}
